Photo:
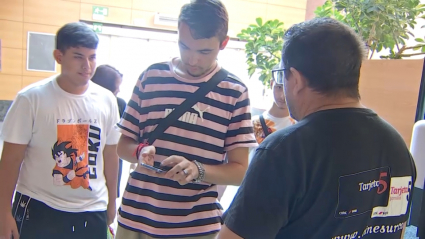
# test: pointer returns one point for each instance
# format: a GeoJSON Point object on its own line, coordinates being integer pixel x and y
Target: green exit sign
{"type": "Point", "coordinates": [97, 27]}
{"type": "Point", "coordinates": [99, 13]}
{"type": "Point", "coordinates": [103, 11]}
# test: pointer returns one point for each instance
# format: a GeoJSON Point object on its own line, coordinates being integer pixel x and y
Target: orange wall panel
{"type": "Point", "coordinates": [11, 85]}
{"type": "Point", "coordinates": [391, 88]}
{"type": "Point", "coordinates": [115, 14]}
{"type": "Point", "coordinates": [11, 61]}
{"type": "Point", "coordinates": [51, 12]}
{"type": "Point", "coordinates": [311, 7]}
{"type": "Point", "coordinates": [11, 33]}
{"type": "Point", "coordinates": [110, 3]}
{"type": "Point", "coordinates": [12, 10]}
{"type": "Point", "coordinates": [28, 80]}
{"type": "Point", "coordinates": [288, 16]}
{"type": "Point", "coordinates": [251, 10]}
{"type": "Point", "coordinates": [162, 6]}
{"type": "Point", "coordinates": [18, 17]}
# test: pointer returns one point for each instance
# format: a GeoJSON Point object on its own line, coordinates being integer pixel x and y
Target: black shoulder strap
{"type": "Point", "coordinates": [264, 126]}
{"type": "Point", "coordinates": [187, 104]}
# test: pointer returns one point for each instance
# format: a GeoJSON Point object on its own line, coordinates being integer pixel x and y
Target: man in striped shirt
{"type": "Point", "coordinates": [171, 205]}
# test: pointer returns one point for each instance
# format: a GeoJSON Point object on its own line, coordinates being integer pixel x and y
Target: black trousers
{"type": "Point", "coordinates": [421, 225]}
{"type": "Point", "coordinates": [36, 220]}
{"type": "Point", "coordinates": [119, 177]}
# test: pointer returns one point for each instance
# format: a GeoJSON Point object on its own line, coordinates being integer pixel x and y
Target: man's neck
{"type": "Point", "coordinates": [277, 112]}
{"type": "Point", "coordinates": [332, 103]}
{"type": "Point", "coordinates": [182, 71]}
{"type": "Point", "coordinates": [66, 85]}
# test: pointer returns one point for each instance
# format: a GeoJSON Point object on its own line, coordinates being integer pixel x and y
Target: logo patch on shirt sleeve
{"type": "Point", "coordinates": [398, 201]}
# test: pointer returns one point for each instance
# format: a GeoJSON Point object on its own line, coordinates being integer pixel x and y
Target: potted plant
{"type": "Point", "coordinates": [383, 24]}
{"type": "Point", "coordinates": [263, 47]}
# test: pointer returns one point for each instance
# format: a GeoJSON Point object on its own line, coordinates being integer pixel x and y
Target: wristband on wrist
{"type": "Point", "coordinates": [138, 149]}
{"type": "Point", "coordinates": [201, 172]}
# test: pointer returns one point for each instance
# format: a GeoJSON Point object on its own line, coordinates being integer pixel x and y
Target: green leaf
{"type": "Point", "coordinates": [423, 49]}
{"type": "Point", "coordinates": [262, 78]}
{"type": "Point", "coordinates": [419, 40]}
{"type": "Point", "coordinates": [259, 21]}
{"type": "Point", "coordinates": [251, 70]}
{"type": "Point", "coordinates": [263, 47]}
{"type": "Point", "coordinates": [417, 48]}
{"type": "Point", "coordinates": [250, 60]}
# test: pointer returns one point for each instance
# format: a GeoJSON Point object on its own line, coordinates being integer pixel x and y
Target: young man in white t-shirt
{"type": "Point", "coordinates": [276, 118]}
{"type": "Point", "coordinates": [60, 150]}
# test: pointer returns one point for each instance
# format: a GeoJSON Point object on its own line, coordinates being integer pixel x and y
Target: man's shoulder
{"type": "Point", "coordinates": [156, 69]}
{"type": "Point", "coordinates": [160, 66]}
{"type": "Point", "coordinates": [233, 82]}
{"type": "Point", "coordinates": [37, 87]}
{"type": "Point", "coordinates": [102, 93]}
{"type": "Point", "coordinates": [165, 65]}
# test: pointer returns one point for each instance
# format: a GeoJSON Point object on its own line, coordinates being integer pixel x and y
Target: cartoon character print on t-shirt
{"type": "Point", "coordinates": [74, 154]}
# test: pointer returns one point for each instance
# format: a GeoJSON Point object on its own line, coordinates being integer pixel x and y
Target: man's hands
{"type": "Point", "coordinates": [111, 212]}
{"type": "Point", "coordinates": [8, 226]}
{"type": "Point", "coordinates": [183, 171]}
{"type": "Point", "coordinates": [147, 154]}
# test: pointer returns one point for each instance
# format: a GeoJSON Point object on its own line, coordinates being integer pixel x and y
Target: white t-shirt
{"type": "Point", "coordinates": [226, 194]}
{"type": "Point", "coordinates": [273, 123]}
{"type": "Point", "coordinates": [66, 134]}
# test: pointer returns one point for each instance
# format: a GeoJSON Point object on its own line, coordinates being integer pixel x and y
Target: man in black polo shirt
{"type": "Point", "coordinates": [341, 172]}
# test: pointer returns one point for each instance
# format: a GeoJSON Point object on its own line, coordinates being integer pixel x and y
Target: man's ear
{"type": "Point", "coordinates": [224, 43]}
{"type": "Point", "coordinates": [57, 54]}
{"type": "Point", "coordinates": [300, 82]}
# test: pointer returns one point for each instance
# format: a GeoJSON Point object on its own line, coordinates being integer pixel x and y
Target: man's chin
{"type": "Point", "coordinates": [196, 74]}
{"type": "Point", "coordinates": [282, 106]}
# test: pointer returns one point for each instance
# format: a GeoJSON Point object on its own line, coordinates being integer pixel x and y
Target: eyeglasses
{"type": "Point", "coordinates": [279, 75]}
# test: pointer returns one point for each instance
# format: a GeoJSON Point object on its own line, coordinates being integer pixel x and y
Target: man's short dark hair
{"type": "Point", "coordinates": [76, 34]}
{"type": "Point", "coordinates": [328, 53]}
{"type": "Point", "coordinates": [206, 19]}
{"type": "Point", "coordinates": [105, 76]}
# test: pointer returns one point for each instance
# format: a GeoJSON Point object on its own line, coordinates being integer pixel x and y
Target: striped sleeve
{"type": "Point", "coordinates": [240, 132]}
{"type": "Point", "coordinates": [129, 124]}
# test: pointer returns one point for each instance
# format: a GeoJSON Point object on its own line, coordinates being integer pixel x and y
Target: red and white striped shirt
{"type": "Point", "coordinates": [160, 207]}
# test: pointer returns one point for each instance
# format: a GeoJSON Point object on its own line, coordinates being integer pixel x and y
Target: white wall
{"type": "Point", "coordinates": [131, 51]}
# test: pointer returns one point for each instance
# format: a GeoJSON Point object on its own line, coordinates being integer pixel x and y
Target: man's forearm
{"type": "Point", "coordinates": [9, 172]}
{"type": "Point", "coordinates": [230, 173]}
{"type": "Point", "coordinates": [126, 148]}
{"type": "Point", "coordinates": [10, 164]}
{"type": "Point", "coordinates": [111, 170]}
{"type": "Point", "coordinates": [225, 174]}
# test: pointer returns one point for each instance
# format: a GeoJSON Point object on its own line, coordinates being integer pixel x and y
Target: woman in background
{"type": "Point", "coordinates": [110, 78]}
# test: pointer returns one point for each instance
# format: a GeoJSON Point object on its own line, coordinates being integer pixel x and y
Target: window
{"type": "Point", "coordinates": [132, 55]}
